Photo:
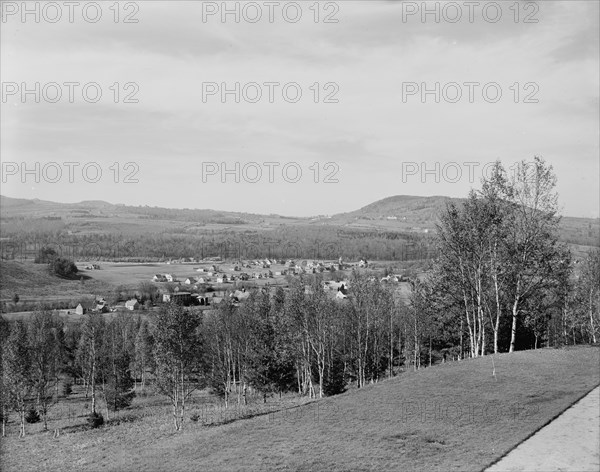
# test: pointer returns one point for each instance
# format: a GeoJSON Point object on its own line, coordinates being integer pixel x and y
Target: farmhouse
{"type": "Point", "coordinates": [190, 281]}
{"type": "Point", "coordinates": [159, 278]}
{"type": "Point", "coordinates": [132, 304]}
{"type": "Point", "coordinates": [181, 298]}
{"type": "Point", "coordinates": [101, 308]}
{"type": "Point", "coordinates": [79, 310]}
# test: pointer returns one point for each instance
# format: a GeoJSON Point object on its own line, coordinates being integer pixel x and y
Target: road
{"type": "Point", "coordinates": [569, 443]}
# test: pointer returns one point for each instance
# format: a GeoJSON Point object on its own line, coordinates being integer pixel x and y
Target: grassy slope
{"type": "Point", "coordinates": [32, 281]}
{"type": "Point", "coordinates": [454, 416]}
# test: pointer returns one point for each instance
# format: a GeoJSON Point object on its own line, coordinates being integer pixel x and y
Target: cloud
{"type": "Point", "coordinates": [368, 54]}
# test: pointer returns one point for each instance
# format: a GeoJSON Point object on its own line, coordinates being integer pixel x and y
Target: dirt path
{"type": "Point", "coordinates": [569, 443]}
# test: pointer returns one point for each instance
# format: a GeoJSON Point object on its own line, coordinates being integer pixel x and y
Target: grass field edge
{"type": "Point", "coordinates": [577, 400]}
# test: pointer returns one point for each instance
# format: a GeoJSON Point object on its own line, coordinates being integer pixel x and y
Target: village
{"type": "Point", "coordinates": [208, 282]}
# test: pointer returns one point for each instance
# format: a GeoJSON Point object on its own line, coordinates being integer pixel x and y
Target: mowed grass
{"type": "Point", "coordinates": [454, 416]}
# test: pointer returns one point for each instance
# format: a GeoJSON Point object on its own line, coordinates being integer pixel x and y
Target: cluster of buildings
{"type": "Point", "coordinates": [101, 306]}
{"type": "Point", "coordinates": [193, 290]}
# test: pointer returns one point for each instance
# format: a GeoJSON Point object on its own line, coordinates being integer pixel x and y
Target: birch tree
{"type": "Point", "coordinates": [531, 248]}
{"type": "Point", "coordinates": [463, 248]}
{"type": "Point", "coordinates": [588, 294]}
{"type": "Point", "coordinates": [4, 392]}
{"type": "Point", "coordinates": [90, 351]}
{"type": "Point", "coordinates": [16, 370]}
{"type": "Point", "coordinates": [44, 350]}
{"type": "Point", "coordinates": [178, 356]}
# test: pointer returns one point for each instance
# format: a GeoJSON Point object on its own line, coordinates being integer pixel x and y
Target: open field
{"type": "Point", "coordinates": [454, 416]}
{"type": "Point", "coordinates": [33, 282]}
{"type": "Point", "coordinates": [130, 274]}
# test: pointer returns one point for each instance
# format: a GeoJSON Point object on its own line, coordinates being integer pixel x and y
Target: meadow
{"type": "Point", "coordinates": [452, 416]}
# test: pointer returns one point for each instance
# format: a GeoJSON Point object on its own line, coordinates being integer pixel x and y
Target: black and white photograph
{"type": "Point", "coordinates": [312, 235]}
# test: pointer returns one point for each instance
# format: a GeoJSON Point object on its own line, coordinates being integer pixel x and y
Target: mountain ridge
{"type": "Point", "coordinates": [385, 207]}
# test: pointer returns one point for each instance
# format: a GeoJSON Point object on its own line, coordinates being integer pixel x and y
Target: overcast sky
{"type": "Point", "coordinates": [372, 141]}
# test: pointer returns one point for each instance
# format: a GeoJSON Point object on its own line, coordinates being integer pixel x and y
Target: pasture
{"type": "Point", "coordinates": [453, 416]}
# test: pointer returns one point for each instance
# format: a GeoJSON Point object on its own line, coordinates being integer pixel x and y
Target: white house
{"type": "Point", "coordinates": [132, 304]}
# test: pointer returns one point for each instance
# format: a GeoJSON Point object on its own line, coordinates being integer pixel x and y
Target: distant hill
{"type": "Point", "coordinates": [18, 208]}
{"type": "Point", "coordinates": [400, 213]}
{"type": "Point", "coordinates": [399, 204]}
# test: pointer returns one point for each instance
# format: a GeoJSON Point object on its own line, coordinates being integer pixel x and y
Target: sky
{"type": "Point", "coordinates": [337, 104]}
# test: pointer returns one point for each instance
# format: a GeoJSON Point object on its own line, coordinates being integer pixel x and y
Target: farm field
{"type": "Point", "coordinates": [453, 416]}
{"type": "Point", "coordinates": [131, 274]}
{"type": "Point", "coordinates": [33, 283]}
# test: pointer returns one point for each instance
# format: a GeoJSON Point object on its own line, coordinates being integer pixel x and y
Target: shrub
{"type": "Point", "coordinates": [32, 416]}
{"type": "Point", "coordinates": [67, 389]}
{"type": "Point", "coordinates": [62, 267]}
{"type": "Point", "coordinates": [95, 420]}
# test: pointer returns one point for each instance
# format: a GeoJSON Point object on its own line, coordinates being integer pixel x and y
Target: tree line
{"type": "Point", "coordinates": [283, 243]}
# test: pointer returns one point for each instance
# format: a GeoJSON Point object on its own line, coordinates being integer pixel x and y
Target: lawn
{"type": "Point", "coordinates": [454, 416]}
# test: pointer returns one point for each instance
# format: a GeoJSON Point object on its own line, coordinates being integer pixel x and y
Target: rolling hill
{"type": "Point", "coordinates": [401, 213]}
